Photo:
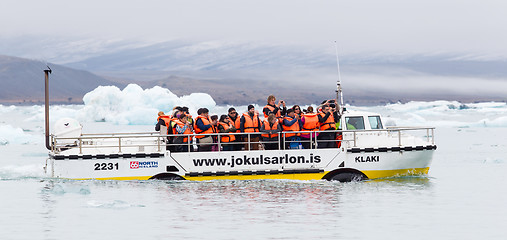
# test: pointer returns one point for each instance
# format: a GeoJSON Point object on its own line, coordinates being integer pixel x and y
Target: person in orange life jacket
{"type": "Point", "coordinates": [291, 123]}
{"type": "Point", "coordinates": [310, 122]}
{"type": "Point", "coordinates": [171, 128]}
{"type": "Point", "coordinates": [174, 116]}
{"type": "Point", "coordinates": [214, 127]}
{"type": "Point", "coordinates": [161, 119]}
{"type": "Point", "coordinates": [161, 126]}
{"type": "Point", "coordinates": [250, 123]}
{"type": "Point", "coordinates": [235, 118]}
{"type": "Point", "coordinates": [176, 110]}
{"type": "Point", "coordinates": [189, 117]}
{"type": "Point", "coordinates": [182, 126]}
{"type": "Point", "coordinates": [297, 110]}
{"type": "Point", "coordinates": [276, 109]}
{"type": "Point", "coordinates": [171, 123]}
{"type": "Point", "coordinates": [327, 122]}
{"type": "Point", "coordinates": [270, 129]}
{"type": "Point", "coordinates": [203, 126]}
{"type": "Point", "coordinates": [225, 125]}
{"type": "Point", "coordinates": [190, 120]}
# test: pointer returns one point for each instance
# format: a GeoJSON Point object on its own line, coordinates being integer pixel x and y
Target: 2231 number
{"type": "Point", "coordinates": [106, 166]}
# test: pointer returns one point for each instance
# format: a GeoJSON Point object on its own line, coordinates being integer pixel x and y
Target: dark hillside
{"type": "Point", "coordinates": [22, 81]}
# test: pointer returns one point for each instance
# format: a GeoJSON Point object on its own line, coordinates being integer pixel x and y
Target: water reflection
{"type": "Point", "coordinates": [405, 183]}
{"type": "Point", "coordinates": [220, 209]}
{"type": "Point", "coordinates": [48, 203]}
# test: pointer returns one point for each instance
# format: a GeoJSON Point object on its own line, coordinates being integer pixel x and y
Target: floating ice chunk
{"type": "Point", "coordinates": [6, 109]}
{"type": "Point", "coordinates": [13, 135]}
{"type": "Point", "coordinates": [21, 171]}
{"type": "Point", "coordinates": [497, 122]}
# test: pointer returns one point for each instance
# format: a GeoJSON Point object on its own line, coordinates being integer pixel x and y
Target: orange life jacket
{"type": "Point", "coordinates": [311, 122]}
{"type": "Point", "coordinates": [226, 138]}
{"type": "Point", "coordinates": [171, 125]}
{"type": "Point", "coordinates": [339, 138]}
{"type": "Point", "coordinates": [251, 125]}
{"type": "Point", "coordinates": [170, 121]}
{"type": "Point", "coordinates": [205, 121]}
{"type": "Point", "coordinates": [165, 118]}
{"type": "Point", "coordinates": [237, 124]}
{"type": "Point", "coordinates": [187, 131]}
{"type": "Point", "coordinates": [215, 130]}
{"type": "Point", "coordinates": [267, 126]}
{"type": "Point", "coordinates": [293, 128]}
{"type": "Point", "coordinates": [330, 122]}
{"type": "Point", "coordinates": [271, 109]}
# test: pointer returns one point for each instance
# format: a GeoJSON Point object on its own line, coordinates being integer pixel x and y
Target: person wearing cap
{"type": "Point", "coordinates": [250, 123]}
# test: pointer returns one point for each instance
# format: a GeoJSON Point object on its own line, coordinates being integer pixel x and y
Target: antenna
{"type": "Point", "coordinates": [339, 93]}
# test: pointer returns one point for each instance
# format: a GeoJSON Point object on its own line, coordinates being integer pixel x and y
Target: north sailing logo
{"type": "Point", "coordinates": [143, 164]}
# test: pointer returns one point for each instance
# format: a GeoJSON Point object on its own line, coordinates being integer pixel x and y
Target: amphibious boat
{"type": "Point", "coordinates": [366, 150]}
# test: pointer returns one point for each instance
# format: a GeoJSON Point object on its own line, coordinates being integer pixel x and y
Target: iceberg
{"type": "Point", "coordinates": [14, 135]}
{"type": "Point", "coordinates": [135, 106]}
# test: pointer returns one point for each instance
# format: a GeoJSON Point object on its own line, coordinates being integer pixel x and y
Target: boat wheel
{"type": "Point", "coordinates": [167, 176]}
{"type": "Point", "coordinates": [348, 177]}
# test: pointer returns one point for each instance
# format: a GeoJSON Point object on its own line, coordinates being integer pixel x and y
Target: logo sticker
{"type": "Point", "coordinates": [143, 164]}
{"type": "Point", "coordinates": [134, 164]}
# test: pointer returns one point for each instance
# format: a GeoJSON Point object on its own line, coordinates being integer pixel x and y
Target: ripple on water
{"type": "Point", "coordinates": [113, 204]}
{"type": "Point", "coordinates": [61, 189]}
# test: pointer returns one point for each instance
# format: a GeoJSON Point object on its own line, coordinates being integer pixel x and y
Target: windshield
{"type": "Point", "coordinates": [375, 122]}
{"type": "Point", "coordinates": [354, 123]}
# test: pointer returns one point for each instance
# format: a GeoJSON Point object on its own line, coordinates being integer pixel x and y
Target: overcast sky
{"type": "Point", "coordinates": [386, 27]}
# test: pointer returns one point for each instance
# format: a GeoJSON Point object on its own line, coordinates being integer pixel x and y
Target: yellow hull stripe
{"type": "Point", "coordinates": [371, 174]}
{"type": "Point", "coordinates": [301, 176]}
{"type": "Point", "coordinates": [117, 178]}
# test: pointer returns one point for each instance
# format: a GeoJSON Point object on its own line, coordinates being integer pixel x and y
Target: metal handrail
{"type": "Point", "coordinates": [157, 134]}
{"type": "Point", "coordinates": [113, 134]}
{"type": "Point", "coordinates": [158, 139]}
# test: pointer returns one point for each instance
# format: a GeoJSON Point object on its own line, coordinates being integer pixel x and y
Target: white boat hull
{"type": "Point", "coordinates": [303, 164]}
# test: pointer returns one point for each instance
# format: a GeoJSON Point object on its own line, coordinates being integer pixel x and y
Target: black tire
{"type": "Point", "coordinates": [165, 176]}
{"type": "Point", "coordinates": [348, 177]}
{"type": "Point", "coordinates": [172, 178]}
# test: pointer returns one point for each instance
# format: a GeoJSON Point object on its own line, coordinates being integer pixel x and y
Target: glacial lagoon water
{"type": "Point", "coordinates": [463, 197]}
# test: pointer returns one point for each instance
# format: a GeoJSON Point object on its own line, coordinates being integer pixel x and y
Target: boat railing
{"type": "Point", "coordinates": [161, 143]}
{"type": "Point", "coordinates": [429, 132]}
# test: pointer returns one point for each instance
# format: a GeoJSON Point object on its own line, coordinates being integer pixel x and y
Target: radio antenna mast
{"type": "Point", "coordinates": [339, 93]}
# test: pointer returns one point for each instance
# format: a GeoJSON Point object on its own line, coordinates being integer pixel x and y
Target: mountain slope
{"type": "Point", "coordinates": [22, 80]}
